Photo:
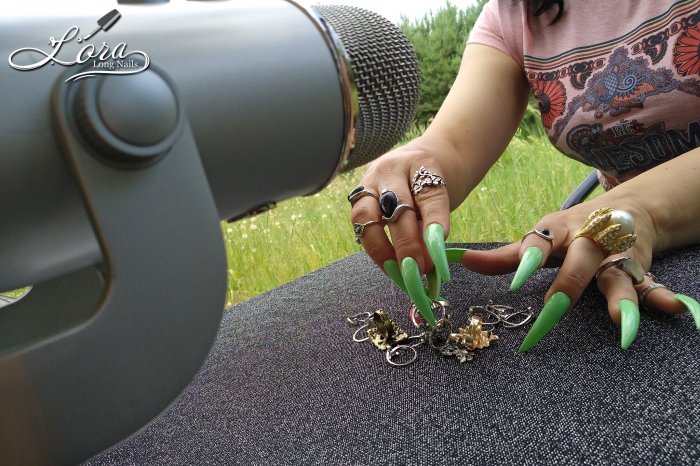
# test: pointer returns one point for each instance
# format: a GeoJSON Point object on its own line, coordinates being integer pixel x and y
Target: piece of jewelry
{"type": "Point", "coordinates": [612, 230]}
{"type": "Point", "coordinates": [543, 233]}
{"type": "Point", "coordinates": [359, 228]}
{"type": "Point", "coordinates": [386, 333]}
{"type": "Point", "coordinates": [391, 209]}
{"type": "Point", "coordinates": [645, 292]}
{"type": "Point", "coordinates": [401, 349]}
{"type": "Point", "coordinates": [358, 192]}
{"type": "Point", "coordinates": [627, 265]}
{"type": "Point", "coordinates": [425, 179]}
{"type": "Point", "coordinates": [417, 319]}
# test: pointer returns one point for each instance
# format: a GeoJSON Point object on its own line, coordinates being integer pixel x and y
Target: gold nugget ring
{"type": "Point", "coordinates": [613, 230]}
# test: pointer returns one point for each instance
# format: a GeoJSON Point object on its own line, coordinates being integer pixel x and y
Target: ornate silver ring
{"type": "Point", "coordinates": [359, 229]}
{"type": "Point", "coordinates": [425, 179]}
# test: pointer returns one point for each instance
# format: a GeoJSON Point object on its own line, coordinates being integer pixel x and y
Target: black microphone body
{"type": "Point", "coordinates": [119, 232]}
{"type": "Point", "coordinates": [261, 91]}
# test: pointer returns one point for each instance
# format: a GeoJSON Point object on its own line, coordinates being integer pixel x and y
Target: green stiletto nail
{"type": "Point", "coordinates": [532, 258]}
{"type": "Point", "coordinates": [629, 322]}
{"type": "Point", "coordinates": [692, 306]}
{"type": "Point", "coordinates": [435, 241]}
{"type": "Point", "coordinates": [551, 313]}
{"type": "Point", "coordinates": [414, 287]}
{"type": "Point", "coordinates": [434, 285]}
{"type": "Point", "coordinates": [391, 267]}
{"type": "Point", "coordinates": [454, 255]}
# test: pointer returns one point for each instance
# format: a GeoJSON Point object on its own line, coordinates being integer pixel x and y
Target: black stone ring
{"type": "Point", "coordinates": [358, 192]}
{"type": "Point", "coordinates": [391, 209]}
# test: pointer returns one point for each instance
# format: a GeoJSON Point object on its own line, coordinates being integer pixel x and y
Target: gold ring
{"type": "Point", "coordinates": [613, 230]}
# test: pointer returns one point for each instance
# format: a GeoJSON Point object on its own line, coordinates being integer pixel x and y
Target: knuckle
{"type": "Point", "coordinates": [376, 250]}
{"type": "Point", "coordinates": [574, 278]}
{"type": "Point", "coordinates": [362, 212]}
{"type": "Point", "coordinates": [407, 245]}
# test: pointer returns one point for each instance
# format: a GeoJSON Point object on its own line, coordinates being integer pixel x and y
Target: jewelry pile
{"type": "Point", "coordinates": [400, 348]}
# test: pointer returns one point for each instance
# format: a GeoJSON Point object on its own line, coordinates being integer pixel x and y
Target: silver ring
{"type": "Point", "coordinates": [645, 291]}
{"type": "Point", "coordinates": [390, 206]}
{"type": "Point", "coordinates": [543, 233]}
{"type": "Point", "coordinates": [359, 229]}
{"type": "Point", "coordinates": [425, 179]}
{"type": "Point", "coordinates": [401, 208]}
{"type": "Point", "coordinates": [358, 192]}
{"type": "Point", "coordinates": [627, 265]}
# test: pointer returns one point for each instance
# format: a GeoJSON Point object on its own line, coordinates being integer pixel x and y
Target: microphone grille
{"type": "Point", "coordinates": [386, 74]}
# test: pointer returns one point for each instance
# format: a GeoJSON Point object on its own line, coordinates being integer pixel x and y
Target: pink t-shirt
{"type": "Point", "coordinates": [617, 82]}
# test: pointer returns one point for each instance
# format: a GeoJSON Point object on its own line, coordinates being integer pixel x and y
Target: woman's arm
{"type": "Point", "coordinates": [469, 133]}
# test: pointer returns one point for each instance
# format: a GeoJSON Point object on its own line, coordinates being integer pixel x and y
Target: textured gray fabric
{"type": "Point", "coordinates": [284, 384]}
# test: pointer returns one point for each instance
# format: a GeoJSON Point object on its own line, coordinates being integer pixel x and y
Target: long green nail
{"type": "Point", "coordinates": [532, 258]}
{"type": "Point", "coordinates": [454, 255]}
{"type": "Point", "coordinates": [551, 313]}
{"type": "Point", "coordinates": [692, 306]}
{"type": "Point", "coordinates": [629, 322]}
{"type": "Point", "coordinates": [434, 285]}
{"type": "Point", "coordinates": [391, 267]}
{"type": "Point", "coordinates": [414, 287]}
{"type": "Point", "coordinates": [435, 241]}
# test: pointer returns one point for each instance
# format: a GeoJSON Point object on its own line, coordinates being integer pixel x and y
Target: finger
{"type": "Point", "coordinates": [433, 203]}
{"type": "Point", "coordinates": [497, 261]}
{"type": "Point", "coordinates": [398, 212]}
{"type": "Point", "coordinates": [415, 289]}
{"type": "Point", "coordinates": [618, 288]}
{"type": "Point", "coordinates": [435, 242]}
{"type": "Point", "coordinates": [374, 240]}
{"type": "Point", "coordinates": [582, 260]}
{"type": "Point", "coordinates": [535, 248]}
{"type": "Point", "coordinates": [653, 295]}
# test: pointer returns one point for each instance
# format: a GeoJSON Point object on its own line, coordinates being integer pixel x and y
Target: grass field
{"type": "Point", "coordinates": [304, 234]}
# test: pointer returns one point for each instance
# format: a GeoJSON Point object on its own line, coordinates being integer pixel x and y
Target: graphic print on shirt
{"type": "Point", "coordinates": [590, 97]}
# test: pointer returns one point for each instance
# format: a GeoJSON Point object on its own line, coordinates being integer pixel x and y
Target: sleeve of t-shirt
{"type": "Point", "coordinates": [500, 25]}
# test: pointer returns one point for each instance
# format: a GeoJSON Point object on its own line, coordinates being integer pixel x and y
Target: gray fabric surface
{"type": "Point", "coordinates": [284, 384]}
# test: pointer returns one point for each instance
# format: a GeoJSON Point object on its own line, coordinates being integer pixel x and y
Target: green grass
{"type": "Point", "coordinates": [301, 235]}
{"type": "Point", "coordinates": [530, 180]}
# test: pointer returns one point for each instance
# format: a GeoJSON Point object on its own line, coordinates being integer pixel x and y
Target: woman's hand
{"type": "Point", "coordinates": [417, 215]}
{"type": "Point", "coordinates": [580, 259]}
{"type": "Point", "coordinates": [469, 133]}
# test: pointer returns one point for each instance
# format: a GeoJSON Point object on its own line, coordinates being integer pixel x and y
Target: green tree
{"type": "Point", "coordinates": [439, 39]}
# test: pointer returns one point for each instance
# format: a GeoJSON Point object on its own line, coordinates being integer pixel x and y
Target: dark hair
{"type": "Point", "coordinates": [537, 7]}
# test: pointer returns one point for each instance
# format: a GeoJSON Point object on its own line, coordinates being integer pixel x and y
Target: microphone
{"type": "Point", "coordinates": [280, 98]}
{"type": "Point", "coordinates": [123, 146]}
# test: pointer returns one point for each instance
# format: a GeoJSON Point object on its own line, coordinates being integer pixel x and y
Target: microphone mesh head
{"type": "Point", "coordinates": [386, 74]}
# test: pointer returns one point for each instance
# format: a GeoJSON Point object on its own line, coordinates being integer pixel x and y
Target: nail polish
{"type": "Point", "coordinates": [415, 289]}
{"type": "Point", "coordinates": [434, 285]}
{"type": "Point", "coordinates": [454, 255]}
{"type": "Point", "coordinates": [391, 267]}
{"type": "Point", "coordinates": [435, 241]}
{"type": "Point", "coordinates": [692, 305]}
{"type": "Point", "coordinates": [629, 322]}
{"type": "Point", "coordinates": [532, 258]}
{"type": "Point", "coordinates": [551, 313]}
